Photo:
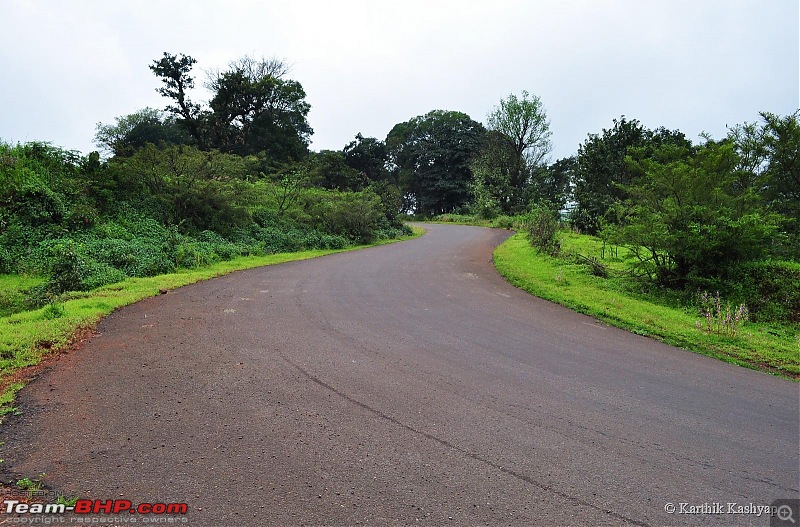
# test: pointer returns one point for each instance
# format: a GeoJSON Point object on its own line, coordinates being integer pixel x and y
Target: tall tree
{"type": "Point", "coordinates": [328, 169]}
{"type": "Point", "coordinates": [431, 156]}
{"type": "Point", "coordinates": [769, 166]}
{"type": "Point", "coordinates": [600, 169]}
{"type": "Point", "coordinates": [521, 123]}
{"type": "Point", "coordinates": [782, 189]}
{"type": "Point", "coordinates": [253, 108]}
{"type": "Point", "coordinates": [174, 72]}
{"type": "Point", "coordinates": [493, 170]}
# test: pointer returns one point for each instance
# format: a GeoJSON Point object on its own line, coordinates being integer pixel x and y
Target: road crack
{"type": "Point", "coordinates": [464, 452]}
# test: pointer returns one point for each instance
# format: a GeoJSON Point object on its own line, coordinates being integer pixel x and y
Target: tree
{"type": "Point", "coordinates": [431, 155]}
{"type": "Point", "coordinates": [328, 169]}
{"type": "Point", "coordinates": [601, 173]}
{"type": "Point", "coordinates": [367, 155]}
{"type": "Point", "coordinates": [782, 186]}
{"type": "Point", "coordinates": [600, 169]}
{"type": "Point", "coordinates": [550, 185]}
{"type": "Point", "coordinates": [131, 132]}
{"type": "Point", "coordinates": [253, 107]}
{"type": "Point", "coordinates": [492, 170]}
{"type": "Point", "coordinates": [683, 217]}
{"type": "Point", "coordinates": [173, 70]}
{"type": "Point", "coordinates": [523, 129]}
{"type": "Point", "coordinates": [370, 157]}
{"type": "Point", "coordinates": [769, 167]}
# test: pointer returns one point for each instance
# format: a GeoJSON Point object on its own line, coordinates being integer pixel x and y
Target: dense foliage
{"type": "Point", "coordinates": [431, 155]}
{"type": "Point", "coordinates": [694, 216]}
{"type": "Point", "coordinates": [716, 216]}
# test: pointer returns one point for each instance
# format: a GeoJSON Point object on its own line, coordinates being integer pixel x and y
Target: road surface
{"type": "Point", "coordinates": [405, 384]}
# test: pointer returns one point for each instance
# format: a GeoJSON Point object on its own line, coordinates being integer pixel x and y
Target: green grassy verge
{"type": "Point", "coordinates": [768, 347]}
{"type": "Point", "coordinates": [26, 338]}
{"type": "Point", "coordinates": [12, 292]}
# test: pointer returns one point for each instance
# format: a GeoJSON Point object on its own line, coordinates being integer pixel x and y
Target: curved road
{"type": "Point", "coordinates": [402, 384]}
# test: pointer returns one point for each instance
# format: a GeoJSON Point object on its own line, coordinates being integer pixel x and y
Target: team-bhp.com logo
{"type": "Point", "coordinates": [94, 507]}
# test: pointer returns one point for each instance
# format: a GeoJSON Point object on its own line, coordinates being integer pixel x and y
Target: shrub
{"type": "Point", "coordinates": [503, 222]}
{"type": "Point", "coordinates": [356, 215]}
{"type": "Point", "coordinates": [67, 269]}
{"type": "Point", "coordinates": [96, 274]}
{"type": "Point", "coordinates": [211, 237]}
{"type": "Point", "coordinates": [332, 241]}
{"type": "Point", "coordinates": [772, 289]}
{"type": "Point", "coordinates": [541, 226]}
{"type": "Point", "coordinates": [195, 254]}
{"type": "Point", "coordinates": [134, 257]}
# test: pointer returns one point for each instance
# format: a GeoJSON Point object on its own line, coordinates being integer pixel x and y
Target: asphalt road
{"type": "Point", "coordinates": [400, 385]}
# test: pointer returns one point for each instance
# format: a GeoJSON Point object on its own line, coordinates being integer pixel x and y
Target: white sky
{"type": "Point", "coordinates": [695, 65]}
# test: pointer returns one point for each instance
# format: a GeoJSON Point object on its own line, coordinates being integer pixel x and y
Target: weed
{"type": "Point", "coordinates": [720, 319]}
{"type": "Point", "coordinates": [32, 486]}
{"type": "Point", "coordinates": [63, 500]}
{"type": "Point", "coordinates": [53, 310]}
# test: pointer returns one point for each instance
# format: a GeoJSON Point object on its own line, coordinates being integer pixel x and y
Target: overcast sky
{"type": "Point", "coordinates": [694, 65]}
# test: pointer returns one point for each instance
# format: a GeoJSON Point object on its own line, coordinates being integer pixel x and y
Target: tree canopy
{"type": "Point", "coordinates": [253, 107]}
{"type": "Point", "coordinates": [514, 151]}
{"type": "Point", "coordinates": [431, 156]}
{"type": "Point", "coordinates": [601, 172]}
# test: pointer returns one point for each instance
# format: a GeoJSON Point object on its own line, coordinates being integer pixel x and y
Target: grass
{"type": "Point", "coordinates": [12, 292]}
{"type": "Point", "coordinates": [769, 347]}
{"type": "Point", "coordinates": [27, 337]}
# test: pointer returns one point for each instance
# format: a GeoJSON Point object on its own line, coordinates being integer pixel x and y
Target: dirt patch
{"type": "Point", "coordinates": [49, 356]}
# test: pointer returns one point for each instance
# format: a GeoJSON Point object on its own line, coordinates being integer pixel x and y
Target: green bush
{"type": "Point", "coordinates": [6, 262]}
{"type": "Point", "coordinates": [67, 269]}
{"type": "Point", "coordinates": [331, 241]}
{"type": "Point", "coordinates": [355, 215]}
{"type": "Point", "coordinates": [504, 222]}
{"type": "Point", "coordinates": [135, 257]}
{"type": "Point", "coordinates": [772, 289]}
{"type": "Point", "coordinates": [96, 274]}
{"type": "Point", "coordinates": [113, 230]}
{"type": "Point", "coordinates": [541, 225]}
{"type": "Point", "coordinates": [211, 237]}
{"type": "Point", "coordinates": [195, 254]}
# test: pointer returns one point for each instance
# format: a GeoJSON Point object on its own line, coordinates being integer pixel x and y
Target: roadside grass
{"type": "Point", "coordinates": [28, 337]}
{"type": "Point", "coordinates": [457, 219]}
{"type": "Point", "coordinates": [773, 348]}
